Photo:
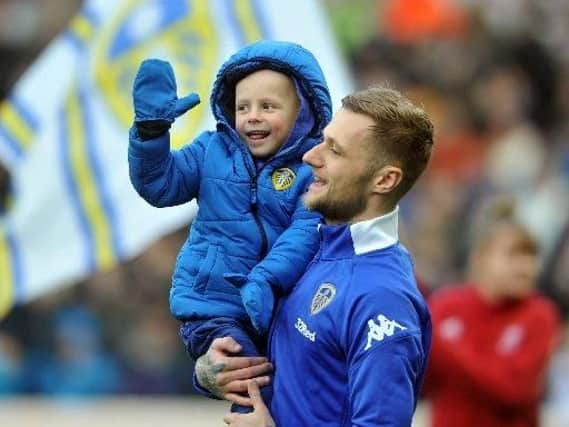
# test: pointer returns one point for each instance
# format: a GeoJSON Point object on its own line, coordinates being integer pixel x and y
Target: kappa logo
{"type": "Point", "coordinates": [378, 331]}
{"type": "Point", "coordinates": [283, 178]}
{"type": "Point", "coordinates": [322, 298]}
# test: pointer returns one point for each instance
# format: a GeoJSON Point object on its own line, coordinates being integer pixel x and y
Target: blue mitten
{"type": "Point", "coordinates": [154, 93]}
{"type": "Point", "coordinates": [257, 298]}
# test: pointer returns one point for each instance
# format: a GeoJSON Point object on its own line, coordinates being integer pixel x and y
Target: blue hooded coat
{"type": "Point", "coordinates": [250, 224]}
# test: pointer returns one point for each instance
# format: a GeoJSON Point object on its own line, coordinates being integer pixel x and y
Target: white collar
{"type": "Point", "coordinates": [376, 233]}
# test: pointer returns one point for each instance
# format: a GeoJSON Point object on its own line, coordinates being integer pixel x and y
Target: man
{"type": "Point", "coordinates": [350, 342]}
{"type": "Point", "coordinates": [493, 337]}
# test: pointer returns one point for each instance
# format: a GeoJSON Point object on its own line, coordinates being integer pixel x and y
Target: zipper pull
{"type": "Point", "coordinates": [254, 192]}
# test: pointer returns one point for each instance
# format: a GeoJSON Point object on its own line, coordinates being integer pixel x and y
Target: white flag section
{"type": "Point", "coordinates": [64, 129]}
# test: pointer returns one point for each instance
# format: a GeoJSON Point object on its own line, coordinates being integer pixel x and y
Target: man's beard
{"type": "Point", "coordinates": [340, 208]}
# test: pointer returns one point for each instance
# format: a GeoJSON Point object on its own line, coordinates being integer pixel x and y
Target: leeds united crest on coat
{"type": "Point", "coordinates": [283, 178]}
{"type": "Point", "coordinates": [322, 298]}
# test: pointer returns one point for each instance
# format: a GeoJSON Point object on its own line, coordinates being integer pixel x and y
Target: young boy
{"type": "Point", "coordinates": [252, 237]}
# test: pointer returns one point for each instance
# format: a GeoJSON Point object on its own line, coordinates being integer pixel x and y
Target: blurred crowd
{"type": "Point", "coordinates": [494, 75]}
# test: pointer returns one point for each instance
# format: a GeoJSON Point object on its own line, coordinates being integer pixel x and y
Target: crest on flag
{"type": "Point", "coordinates": [181, 32]}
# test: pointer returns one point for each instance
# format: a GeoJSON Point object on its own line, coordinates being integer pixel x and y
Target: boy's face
{"type": "Point", "coordinates": [266, 106]}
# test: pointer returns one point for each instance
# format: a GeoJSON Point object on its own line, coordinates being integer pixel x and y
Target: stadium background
{"type": "Point", "coordinates": [495, 77]}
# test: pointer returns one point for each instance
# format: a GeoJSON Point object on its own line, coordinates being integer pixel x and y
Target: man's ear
{"type": "Point", "coordinates": [387, 179]}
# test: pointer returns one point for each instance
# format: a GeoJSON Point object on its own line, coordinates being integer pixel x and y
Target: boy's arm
{"type": "Point", "coordinates": [163, 177]}
{"type": "Point", "coordinates": [294, 249]}
{"type": "Point", "coordinates": [282, 267]}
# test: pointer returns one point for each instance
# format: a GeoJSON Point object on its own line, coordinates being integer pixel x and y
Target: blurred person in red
{"type": "Point", "coordinates": [409, 21]}
{"type": "Point", "coordinates": [494, 335]}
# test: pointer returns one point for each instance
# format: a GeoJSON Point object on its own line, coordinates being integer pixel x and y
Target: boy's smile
{"type": "Point", "coordinates": [265, 111]}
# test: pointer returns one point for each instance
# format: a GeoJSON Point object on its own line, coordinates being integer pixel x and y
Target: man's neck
{"type": "Point", "coordinates": [374, 209]}
{"type": "Point", "coordinates": [371, 214]}
{"type": "Point", "coordinates": [360, 237]}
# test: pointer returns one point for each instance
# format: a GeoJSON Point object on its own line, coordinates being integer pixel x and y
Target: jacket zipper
{"type": "Point", "coordinates": [254, 210]}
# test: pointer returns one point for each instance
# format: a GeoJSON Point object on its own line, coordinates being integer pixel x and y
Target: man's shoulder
{"type": "Point", "coordinates": [383, 312]}
{"type": "Point", "coordinates": [389, 270]}
{"type": "Point", "coordinates": [386, 291]}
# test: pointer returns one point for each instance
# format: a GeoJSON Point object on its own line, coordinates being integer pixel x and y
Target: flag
{"type": "Point", "coordinates": [64, 127]}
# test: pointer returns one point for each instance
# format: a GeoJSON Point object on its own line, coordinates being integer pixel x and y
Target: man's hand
{"type": "Point", "coordinates": [227, 376]}
{"type": "Point", "coordinates": [260, 417]}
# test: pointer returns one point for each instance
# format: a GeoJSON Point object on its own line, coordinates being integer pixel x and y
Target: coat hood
{"type": "Point", "coordinates": [288, 58]}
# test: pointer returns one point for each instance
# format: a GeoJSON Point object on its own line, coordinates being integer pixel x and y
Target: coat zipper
{"type": "Point", "coordinates": [254, 206]}
{"type": "Point", "coordinates": [254, 210]}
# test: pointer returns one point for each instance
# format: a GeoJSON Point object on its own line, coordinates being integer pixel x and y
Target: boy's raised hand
{"type": "Point", "coordinates": [154, 93]}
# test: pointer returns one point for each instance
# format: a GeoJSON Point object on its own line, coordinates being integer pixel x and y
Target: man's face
{"type": "Point", "coordinates": [266, 106]}
{"type": "Point", "coordinates": [341, 168]}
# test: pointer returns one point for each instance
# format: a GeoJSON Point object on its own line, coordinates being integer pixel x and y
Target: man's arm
{"type": "Point", "coordinates": [384, 334]}
{"type": "Point", "coordinates": [382, 384]}
{"type": "Point", "coordinates": [219, 374]}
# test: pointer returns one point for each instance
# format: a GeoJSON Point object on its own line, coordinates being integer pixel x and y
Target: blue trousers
{"type": "Point", "coordinates": [198, 335]}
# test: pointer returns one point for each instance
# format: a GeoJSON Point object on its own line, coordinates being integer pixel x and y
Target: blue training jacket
{"type": "Point", "coordinates": [350, 342]}
{"type": "Point", "coordinates": [249, 221]}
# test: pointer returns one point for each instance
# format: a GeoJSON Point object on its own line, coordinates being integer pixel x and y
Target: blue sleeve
{"type": "Point", "coordinates": [163, 177]}
{"type": "Point", "coordinates": [385, 361]}
{"type": "Point", "coordinates": [287, 260]}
